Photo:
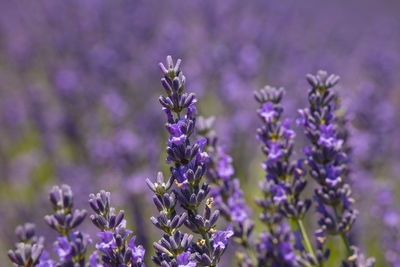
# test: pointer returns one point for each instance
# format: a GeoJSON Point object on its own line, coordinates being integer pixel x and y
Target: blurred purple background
{"type": "Point", "coordinates": [79, 85]}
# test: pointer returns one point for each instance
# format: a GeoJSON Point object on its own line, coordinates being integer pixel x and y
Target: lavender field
{"type": "Point", "coordinates": [269, 134]}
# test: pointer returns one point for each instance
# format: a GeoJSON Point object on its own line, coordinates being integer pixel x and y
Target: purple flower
{"type": "Point", "coordinates": [333, 177]}
{"type": "Point", "coordinates": [275, 151]}
{"type": "Point", "coordinates": [169, 114]}
{"type": "Point", "coordinates": [221, 239]}
{"type": "Point", "coordinates": [268, 112]}
{"type": "Point", "coordinates": [192, 108]}
{"type": "Point", "coordinates": [328, 160]}
{"type": "Point", "coordinates": [286, 252]}
{"type": "Point", "coordinates": [302, 120]}
{"type": "Point", "coordinates": [107, 241]}
{"type": "Point", "coordinates": [137, 252]}
{"type": "Point", "coordinates": [224, 167]}
{"type": "Point", "coordinates": [327, 137]}
{"type": "Point", "coordinates": [279, 194]}
{"type": "Point", "coordinates": [94, 260]}
{"type": "Point", "coordinates": [287, 131]}
{"type": "Point", "coordinates": [236, 204]}
{"type": "Point", "coordinates": [282, 185]}
{"type": "Point", "coordinates": [188, 165]}
{"type": "Point", "coordinates": [180, 175]}
{"type": "Point", "coordinates": [226, 192]}
{"type": "Point", "coordinates": [238, 211]}
{"type": "Point", "coordinates": [116, 245]}
{"type": "Point", "coordinates": [63, 248]}
{"type": "Point", "coordinates": [177, 135]}
{"type": "Point", "coordinates": [201, 156]}
{"type": "Point", "coordinates": [277, 248]}
{"type": "Point", "coordinates": [184, 260]}
{"type": "Point", "coordinates": [45, 261]}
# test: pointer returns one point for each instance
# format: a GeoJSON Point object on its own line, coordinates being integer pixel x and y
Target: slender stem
{"type": "Point", "coordinates": [346, 243]}
{"type": "Point", "coordinates": [343, 235]}
{"type": "Point", "coordinates": [307, 243]}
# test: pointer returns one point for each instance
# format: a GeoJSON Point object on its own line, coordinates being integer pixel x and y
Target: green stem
{"type": "Point", "coordinates": [307, 243]}
{"type": "Point", "coordinates": [346, 243]}
{"type": "Point", "coordinates": [343, 235]}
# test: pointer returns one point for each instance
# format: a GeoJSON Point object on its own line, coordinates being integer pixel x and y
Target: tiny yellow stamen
{"type": "Point", "coordinates": [340, 179]}
{"type": "Point", "coordinates": [274, 137]}
{"type": "Point", "coordinates": [178, 184]}
{"type": "Point", "coordinates": [210, 201]}
{"type": "Point", "coordinates": [321, 239]}
{"type": "Point", "coordinates": [323, 121]}
{"type": "Point", "coordinates": [201, 242]}
{"type": "Point", "coordinates": [299, 171]}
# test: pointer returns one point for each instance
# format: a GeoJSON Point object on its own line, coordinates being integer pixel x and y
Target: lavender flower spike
{"type": "Point", "coordinates": [71, 246]}
{"type": "Point", "coordinates": [282, 187]}
{"type": "Point", "coordinates": [29, 247]}
{"type": "Point", "coordinates": [226, 192]}
{"type": "Point", "coordinates": [188, 161]}
{"type": "Point", "coordinates": [173, 248]}
{"type": "Point", "coordinates": [63, 220]}
{"type": "Point", "coordinates": [328, 163]}
{"type": "Point", "coordinates": [117, 244]}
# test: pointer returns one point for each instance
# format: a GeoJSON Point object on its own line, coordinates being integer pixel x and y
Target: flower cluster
{"type": "Point", "coordinates": [283, 184]}
{"type": "Point", "coordinates": [29, 249]}
{"type": "Point", "coordinates": [277, 138]}
{"type": "Point", "coordinates": [172, 249]}
{"type": "Point", "coordinates": [77, 85]}
{"type": "Point", "coordinates": [226, 192]}
{"type": "Point", "coordinates": [72, 245]}
{"type": "Point", "coordinates": [116, 244]}
{"type": "Point", "coordinates": [188, 166]}
{"type": "Point", "coordinates": [328, 163]}
{"type": "Point", "coordinates": [200, 189]}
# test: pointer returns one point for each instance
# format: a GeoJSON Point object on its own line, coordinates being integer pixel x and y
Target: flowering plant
{"type": "Point", "coordinates": [200, 189]}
